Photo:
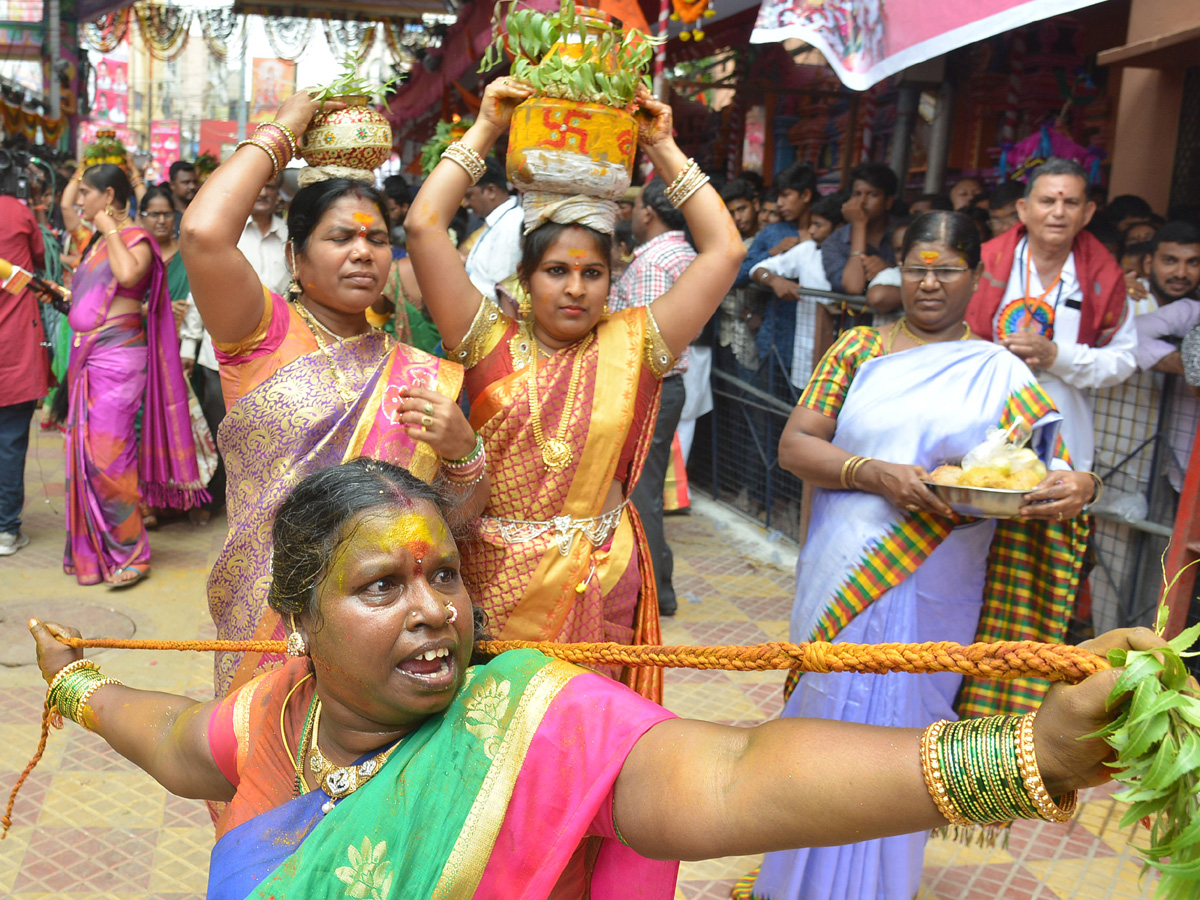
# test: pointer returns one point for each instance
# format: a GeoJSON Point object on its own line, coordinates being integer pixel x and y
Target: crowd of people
{"type": "Point", "coordinates": [471, 434]}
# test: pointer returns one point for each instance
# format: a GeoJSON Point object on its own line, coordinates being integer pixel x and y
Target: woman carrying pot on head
{"type": "Point", "coordinates": [307, 381]}
{"type": "Point", "coordinates": [886, 560]}
{"type": "Point", "coordinates": [120, 356]}
{"type": "Point", "coordinates": [380, 763]}
{"type": "Point", "coordinates": [565, 398]}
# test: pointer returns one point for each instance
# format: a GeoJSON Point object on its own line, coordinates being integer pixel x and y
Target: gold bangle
{"type": "Point", "coordinates": [87, 695]}
{"type": "Point", "coordinates": [931, 768]}
{"type": "Point", "coordinates": [265, 149]}
{"type": "Point", "coordinates": [111, 233]}
{"type": "Point", "coordinates": [1061, 811]}
{"type": "Point", "coordinates": [852, 476]}
{"type": "Point", "coordinates": [1099, 482]}
{"type": "Point", "coordinates": [81, 663]}
{"type": "Point", "coordinates": [845, 470]}
{"type": "Point", "coordinates": [468, 158]}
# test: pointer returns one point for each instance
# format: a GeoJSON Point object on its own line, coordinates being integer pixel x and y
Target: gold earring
{"type": "Point", "coordinates": [296, 645]}
{"type": "Point", "coordinates": [108, 210]}
{"type": "Point", "coordinates": [606, 312]}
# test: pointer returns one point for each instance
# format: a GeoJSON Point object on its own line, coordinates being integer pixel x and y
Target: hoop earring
{"type": "Point", "coordinates": [296, 645]}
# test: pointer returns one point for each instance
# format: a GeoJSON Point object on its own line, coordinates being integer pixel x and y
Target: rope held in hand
{"type": "Point", "coordinates": [998, 661]}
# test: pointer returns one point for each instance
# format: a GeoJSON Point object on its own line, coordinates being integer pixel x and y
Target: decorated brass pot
{"type": "Point", "coordinates": [358, 137]}
{"type": "Point", "coordinates": [571, 148]}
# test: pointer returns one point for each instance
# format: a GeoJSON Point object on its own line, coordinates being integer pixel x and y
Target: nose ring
{"type": "Point", "coordinates": [453, 617]}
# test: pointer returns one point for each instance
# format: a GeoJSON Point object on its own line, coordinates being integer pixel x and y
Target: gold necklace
{"type": "Point", "coordinates": [556, 452]}
{"type": "Point", "coordinates": [348, 396]}
{"type": "Point", "coordinates": [908, 331]}
{"type": "Point", "coordinates": [340, 781]}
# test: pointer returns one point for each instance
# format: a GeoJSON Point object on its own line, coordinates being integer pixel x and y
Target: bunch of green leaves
{"type": "Point", "coordinates": [206, 164]}
{"type": "Point", "coordinates": [443, 136]}
{"type": "Point", "coordinates": [351, 84]}
{"type": "Point", "coordinates": [612, 61]}
{"type": "Point", "coordinates": [1157, 742]}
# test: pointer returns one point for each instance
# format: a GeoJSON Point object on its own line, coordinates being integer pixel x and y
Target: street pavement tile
{"type": "Point", "coordinates": [181, 858]}
{"type": "Point", "coordinates": [94, 859]}
{"type": "Point", "coordinates": [1115, 878]}
{"type": "Point", "coordinates": [118, 799]}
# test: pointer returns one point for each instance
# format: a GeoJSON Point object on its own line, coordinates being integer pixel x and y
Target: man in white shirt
{"type": "Point", "coordinates": [496, 252]}
{"type": "Point", "coordinates": [1054, 296]}
{"type": "Point", "coordinates": [264, 238]}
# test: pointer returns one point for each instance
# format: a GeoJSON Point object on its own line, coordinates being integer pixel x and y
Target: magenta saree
{"type": "Point", "coordinates": [116, 363]}
{"type": "Point", "coordinates": [292, 421]}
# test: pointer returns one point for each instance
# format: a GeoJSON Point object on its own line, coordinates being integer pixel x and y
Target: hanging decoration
{"type": "Point", "coordinates": [164, 28]}
{"type": "Point", "coordinates": [107, 32]}
{"type": "Point", "coordinates": [218, 27]}
{"type": "Point", "coordinates": [349, 40]}
{"type": "Point", "coordinates": [690, 12]}
{"type": "Point", "coordinates": [288, 36]}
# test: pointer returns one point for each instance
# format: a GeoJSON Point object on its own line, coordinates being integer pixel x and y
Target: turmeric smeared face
{"type": "Point", "coordinates": [345, 263]}
{"type": "Point", "coordinates": [384, 646]}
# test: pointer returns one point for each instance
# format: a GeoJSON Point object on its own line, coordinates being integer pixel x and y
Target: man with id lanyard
{"type": "Point", "coordinates": [1054, 296]}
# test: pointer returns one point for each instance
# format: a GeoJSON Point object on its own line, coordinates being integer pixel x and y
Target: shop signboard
{"type": "Point", "coordinates": [865, 41]}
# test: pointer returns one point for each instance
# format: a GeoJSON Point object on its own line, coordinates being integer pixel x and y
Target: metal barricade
{"type": "Point", "coordinates": [737, 460]}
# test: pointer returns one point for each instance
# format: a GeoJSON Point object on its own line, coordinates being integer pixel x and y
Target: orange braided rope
{"type": "Point", "coordinates": [1000, 660]}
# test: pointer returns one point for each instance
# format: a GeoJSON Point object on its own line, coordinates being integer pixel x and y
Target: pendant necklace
{"type": "Point", "coordinates": [556, 452]}
{"type": "Point", "coordinates": [336, 781]}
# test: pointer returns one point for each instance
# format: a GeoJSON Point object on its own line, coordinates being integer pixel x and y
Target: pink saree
{"type": "Point", "coordinates": [287, 419]}
{"type": "Point", "coordinates": [115, 364]}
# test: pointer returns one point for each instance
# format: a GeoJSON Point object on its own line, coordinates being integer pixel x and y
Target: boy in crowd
{"type": "Point", "coordinates": [742, 203]}
{"type": "Point", "coordinates": [797, 188]}
{"type": "Point", "coordinates": [787, 274]}
{"type": "Point", "coordinates": [858, 251]}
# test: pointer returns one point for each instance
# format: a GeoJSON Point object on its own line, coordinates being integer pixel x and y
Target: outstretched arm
{"type": "Point", "coordinates": [449, 294]}
{"type": "Point", "coordinates": [163, 734]}
{"type": "Point", "coordinates": [694, 790]}
{"type": "Point", "coordinates": [224, 285]}
{"type": "Point", "coordinates": [682, 311]}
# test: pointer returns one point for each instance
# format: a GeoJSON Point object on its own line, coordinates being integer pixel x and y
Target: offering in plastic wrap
{"type": "Point", "coordinates": [1000, 460]}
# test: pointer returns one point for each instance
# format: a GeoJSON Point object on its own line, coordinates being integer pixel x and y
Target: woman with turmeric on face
{"type": "Point", "coordinates": [307, 380]}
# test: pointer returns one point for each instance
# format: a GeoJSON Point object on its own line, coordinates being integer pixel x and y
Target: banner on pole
{"type": "Point", "coordinates": [865, 41]}
{"type": "Point", "coordinates": [271, 82]}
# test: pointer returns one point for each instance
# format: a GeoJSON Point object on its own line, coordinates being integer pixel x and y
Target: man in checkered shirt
{"type": "Point", "coordinates": [661, 255]}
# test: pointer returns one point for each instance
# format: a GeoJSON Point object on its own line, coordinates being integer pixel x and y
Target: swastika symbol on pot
{"type": "Point", "coordinates": [565, 133]}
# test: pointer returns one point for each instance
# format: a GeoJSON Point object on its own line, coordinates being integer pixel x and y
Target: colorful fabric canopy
{"type": "Point", "coordinates": [865, 41]}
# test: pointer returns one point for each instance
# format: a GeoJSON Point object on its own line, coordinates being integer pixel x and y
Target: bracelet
{"type": "Point", "coordinates": [931, 768]}
{"type": "Point", "coordinates": [469, 458]}
{"type": "Point", "coordinates": [1099, 482]}
{"type": "Point", "coordinates": [280, 140]}
{"type": "Point", "coordinates": [70, 695]}
{"type": "Point", "coordinates": [1060, 810]}
{"type": "Point", "coordinates": [858, 252]}
{"type": "Point", "coordinates": [111, 233]}
{"type": "Point", "coordinates": [849, 475]}
{"type": "Point", "coordinates": [468, 158]}
{"type": "Point", "coordinates": [255, 142]}
{"type": "Point", "coordinates": [136, 182]}
{"type": "Point", "coordinates": [288, 134]}
{"type": "Point", "coordinates": [686, 183]}
{"type": "Point", "coordinates": [674, 185]}
{"type": "Point", "coordinates": [470, 470]}
{"type": "Point", "coordinates": [81, 663]}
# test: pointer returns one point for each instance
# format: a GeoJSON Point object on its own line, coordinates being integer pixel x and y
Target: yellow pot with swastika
{"type": "Point", "coordinates": [565, 147]}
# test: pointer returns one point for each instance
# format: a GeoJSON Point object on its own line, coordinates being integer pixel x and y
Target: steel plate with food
{"type": "Point", "coordinates": [986, 492]}
{"type": "Point", "coordinates": [980, 502]}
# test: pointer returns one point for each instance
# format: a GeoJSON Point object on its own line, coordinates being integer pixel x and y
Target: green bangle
{"type": "Point", "coordinates": [71, 694]}
{"type": "Point", "coordinates": [981, 770]}
{"type": "Point", "coordinates": [469, 458]}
